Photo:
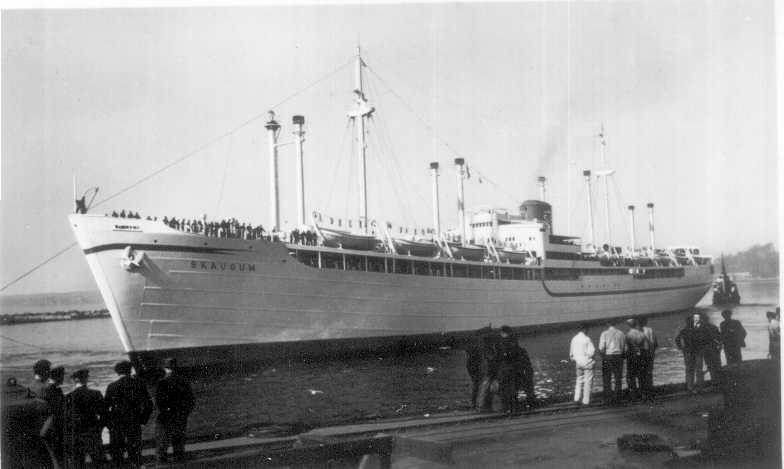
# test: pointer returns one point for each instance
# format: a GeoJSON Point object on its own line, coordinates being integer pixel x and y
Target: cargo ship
{"type": "Point", "coordinates": [229, 297]}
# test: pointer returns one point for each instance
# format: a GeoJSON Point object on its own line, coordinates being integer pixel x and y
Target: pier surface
{"type": "Point", "coordinates": [555, 437]}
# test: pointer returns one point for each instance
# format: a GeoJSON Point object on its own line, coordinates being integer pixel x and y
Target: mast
{"type": "Point", "coordinates": [650, 226]}
{"type": "Point", "coordinates": [587, 174]}
{"type": "Point", "coordinates": [605, 173]}
{"type": "Point", "coordinates": [273, 129]}
{"type": "Point", "coordinates": [361, 111]}
{"type": "Point", "coordinates": [631, 214]}
{"type": "Point", "coordinates": [460, 164]}
{"type": "Point", "coordinates": [436, 209]}
{"type": "Point", "coordinates": [299, 135]}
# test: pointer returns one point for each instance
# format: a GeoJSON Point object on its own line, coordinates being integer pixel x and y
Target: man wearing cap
{"type": "Point", "coordinates": [648, 356]}
{"type": "Point", "coordinates": [128, 406]}
{"type": "Point", "coordinates": [174, 399]}
{"type": "Point", "coordinates": [84, 418]}
{"type": "Point", "coordinates": [53, 395]}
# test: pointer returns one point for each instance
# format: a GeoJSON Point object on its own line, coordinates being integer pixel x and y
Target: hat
{"type": "Point", "coordinates": [170, 363]}
{"type": "Point", "coordinates": [57, 373]}
{"type": "Point", "coordinates": [506, 329]}
{"type": "Point", "coordinates": [42, 367]}
{"type": "Point", "coordinates": [123, 367]}
{"type": "Point", "coordinates": [81, 374]}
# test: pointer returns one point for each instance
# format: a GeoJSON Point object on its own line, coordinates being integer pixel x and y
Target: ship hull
{"type": "Point", "coordinates": [216, 303]}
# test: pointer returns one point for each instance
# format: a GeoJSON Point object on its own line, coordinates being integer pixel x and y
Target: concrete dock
{"type": "Point", "coordinates": [734, 425]}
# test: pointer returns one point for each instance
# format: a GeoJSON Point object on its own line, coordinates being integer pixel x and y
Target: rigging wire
{"type": "Point", "coordinates": [38, 266]}
{"type": "Point", "coordinates": [223, 179]}
{"type": "Point", "coordinates": [341, 157]}
{"type": "Point", "coordinates": [180, 160]}
{"type": "Point", "coordinates": [428, 126]}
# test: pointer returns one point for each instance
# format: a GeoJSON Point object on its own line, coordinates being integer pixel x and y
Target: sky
{"type": "Point", "coordinates": [685, 92]}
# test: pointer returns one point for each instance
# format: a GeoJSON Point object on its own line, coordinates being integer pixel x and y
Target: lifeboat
{"type": "Point", "coordinates": [468, 252]}
{"type": "Point", "coordinates": [513, 257]}
{"type": "Point", "coordinates": [346, 240]}
{"type": "Point", "coordinates": [415, 248]}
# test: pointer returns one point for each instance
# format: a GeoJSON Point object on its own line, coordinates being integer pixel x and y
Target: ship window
{"type": "Point", "coordinates": [331, 261]}
{"type": "Point", "coordinates": [421, 268]}
{"type": "Point", "coordinates": [355, 263]}
{"type": "Point", "coordinates": [474, 271]}
{"type": "Point", "coordinates": [488, 272]}
{"type": "Point", "coordinates": [459, 270]}
{"type": "Point", "coordinates": [402, 266]}
{"type": "Point", "coordinates": [309, 258]}
{"type": "Point", "coordinates": [375, 264]}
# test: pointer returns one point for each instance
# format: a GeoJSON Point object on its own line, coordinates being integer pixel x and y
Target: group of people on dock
{"type": "Point", "coordinates": [498, 365]}
{"type": "Point", "coordinates": [73, 423]}
{"type": "Point", "coordinates": [698, 340]}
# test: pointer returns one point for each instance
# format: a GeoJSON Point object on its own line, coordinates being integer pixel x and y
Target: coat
{"type": "Point", "coordinates": [174, 399]}
{"type": "Point", "coordinates": [128, 402]}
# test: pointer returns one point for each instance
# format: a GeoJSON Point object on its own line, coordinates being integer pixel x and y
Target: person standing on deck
{"type": "Point", "coordinates": [84, 418]}
{"type": "Point", "coordinates": [733, 337]}
{"type": "Point", "coordinates": [774, 335]}
{"type": "Point", "coordinates": [648, 357]}
{"type": "Point", "coordinates": [509, 361]}
{"type": "Point", "coordinates": [581, 352]}
{"type": "Point", "coordinates": [708, 340]}
{"type": "Point", "coordinates": [174, 399]}
{"type": "Point", "coordinates": [612, 347]}
{"type": "Point", "coordinates": [692, 355]}
{"type": "Point", "coordinates": [636, 347]}
{"type": "Point", "coordinates": [474, 357]}
{"type": "Point", "coordinates": [128, 407]}
{"type": "Point", "coordinates": [54, 397]}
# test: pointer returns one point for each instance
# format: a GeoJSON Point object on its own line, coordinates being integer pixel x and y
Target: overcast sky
{"type": "Point", "coordinates": [685, 91]}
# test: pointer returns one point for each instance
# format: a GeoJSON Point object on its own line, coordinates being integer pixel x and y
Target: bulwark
{"type": "Point", "coordinates": [224, 266]}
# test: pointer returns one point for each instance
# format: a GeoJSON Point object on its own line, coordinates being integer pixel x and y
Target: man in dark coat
{"type": "Point", "coordinates": [84, 420]}
{"type": "Point", "coordinates": [128, 407]}
{"type": "Point", "coordinates": [474, 357]}
{"type": "Point", "coordinates": [692, 355]}
{"type": "Point", "coordinates": [174, 399]}
{"type": "Point", "coordinates": [733, 337]}
{"type": "Point", "coordinates": [53, 435]}
{"type": "Point", "coordinates": [708, 340]}
{"type": "Point", "coordinates": [514, 371]}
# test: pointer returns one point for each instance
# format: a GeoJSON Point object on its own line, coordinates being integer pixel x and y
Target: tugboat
{"type": "Point", "coordinates": [725, 291]}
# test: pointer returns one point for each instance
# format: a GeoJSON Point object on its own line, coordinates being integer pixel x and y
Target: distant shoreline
{"type": "Point", "coordinates": [70, 315]}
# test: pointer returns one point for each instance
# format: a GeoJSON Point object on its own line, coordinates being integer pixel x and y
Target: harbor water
{"type": "Point", "coordinates": [301, 395]}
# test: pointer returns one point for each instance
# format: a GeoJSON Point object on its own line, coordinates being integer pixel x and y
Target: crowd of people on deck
{"type": "Point", "coordinates": [67, 428]}
{"type": "Point", "coordinates": [228, 228]}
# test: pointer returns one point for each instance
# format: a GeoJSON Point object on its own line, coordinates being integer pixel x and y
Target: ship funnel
{"type": "Point", "coordinates": [460, 165]}
{"type": "Point", "coordinates": [631, 215]}
{"type": "Point", "coordinates": [587, 174]}
{"type": "Point", "coordinates": [650, 226]}
{"type": "Point", "coordinates": [436, 209]}
{"type": "Point", "coordinates": [273, 129]}
{"type": "Point", "coordinates": [299, 135]}
{"type": "Point", "coordinates": [542, 188]}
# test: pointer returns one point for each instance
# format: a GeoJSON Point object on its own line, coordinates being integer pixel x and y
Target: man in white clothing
{"type": "Point", "coordinates": [581, 351]}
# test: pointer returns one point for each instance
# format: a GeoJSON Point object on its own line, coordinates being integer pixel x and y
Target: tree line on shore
{"type": "Point", "coordinates": [761, 261]}
{"type": "Point", "coordinates": [70, 315]}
